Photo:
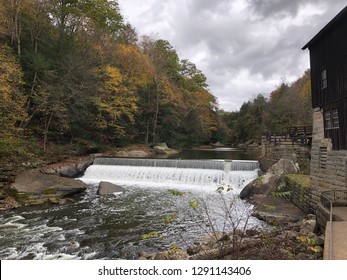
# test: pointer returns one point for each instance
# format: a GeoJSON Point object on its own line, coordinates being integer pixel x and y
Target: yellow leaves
{"type": "Point", "coordinates": [112, 79]}
{"type": "Point", "coordinates": [12, 100]}
{"type": "Point", "coordinates": [134, 65]}
{"type": "Point", "coordinates": [114, 101]}
{"type": "Point", "coordinates": [194, 204]}
{"type": "Point", "coordinates": [305, 93]}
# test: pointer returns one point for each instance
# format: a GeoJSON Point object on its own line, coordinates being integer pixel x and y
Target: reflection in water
{"type": "Point", "coordinates": [216, 153]}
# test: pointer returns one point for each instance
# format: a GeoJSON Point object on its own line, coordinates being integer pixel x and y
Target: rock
{"type": "Point", "coordinates": [289, 234]}
{"type": "Point", "coordinates": [194, 250]}
{"type": "Point", "coordinates": [69, 169]}
{"type": "Point", "coordinates": [33, 164]}
{"type": "Point", "coordinates": [161, 145]}
{"type": "Point", "coordinates": [308, 226]}
{"type": "Point", "coordinates": [266, 164]}
{"type": "Point", "coordinates": [284, 166]}
{"type": "Point", "coordinates": [249, 189]}
{"type": "Point", "coordinates": [9, 203]}
{"type": "Point", "coordinates": [268, 182]}
{"type": "Point", "coordinates": [274, 218]}
{"type": "Point", "coordinates": [34, 187]}
{"type": "Point", "coordinates": [7, 178]}
{"type": "Point", "coordinates": [311, 217]}
{"type": "Point", "coordinates": [172, 254]}
{"type": "Point", "coordinates": [249, 142]}
{"type": "Point", "coordinates": [162, 148]}
{"type": "Point", "coordinates": [106, 188]}
{"type": "Point", "coordinates": [146, 256]}
{"type": "Point", "coordinates": [2, 195]}
{"type": "Point", "coordinates": [217, 144]}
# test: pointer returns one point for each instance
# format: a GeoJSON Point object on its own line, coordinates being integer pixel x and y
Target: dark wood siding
{"type": "Point", "coordinates": [330, 53]}
{"type": "Point", "coordinates": [338, 136]}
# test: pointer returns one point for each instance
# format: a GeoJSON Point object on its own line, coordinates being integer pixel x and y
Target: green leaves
{"type": "Point", "coordinates": [72, 78]}
{"type": "Point", "coordinates": [194, 204]}
{"type": "Point", "coordinates": [176, 193]}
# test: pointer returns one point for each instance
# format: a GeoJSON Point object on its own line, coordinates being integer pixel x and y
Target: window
{"type": "Point", "coordinates": [327, 120]}
{"type": "Point", "coordinates": [335, 119]}
{"type": "Point", "coordinates": [324, 79]}
{"type": "Point", "coordinates": [331, 119]}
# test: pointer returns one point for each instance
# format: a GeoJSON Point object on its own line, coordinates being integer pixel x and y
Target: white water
{"type": "Point", "coordinates": [97, 228]}
{"type": "Point", "coordinates": [206, 180]}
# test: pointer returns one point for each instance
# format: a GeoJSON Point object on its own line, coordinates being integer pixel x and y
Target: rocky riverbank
{"type": "Point", "coordinates": [292, 234]}
{"type": "Point", "coordinates": [295, 240]}
{"type": "Point", "coordinates": [39, 182]}
{"type": "Point", "coordinates": [53, 180]}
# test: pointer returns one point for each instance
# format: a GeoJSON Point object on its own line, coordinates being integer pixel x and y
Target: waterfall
{"type": "Point", "coordinates": [187, 174]}
{"type": "Point", "coordinates": [244, 165]}
{"type": "Point", "coordinates": [226, 165]}
{"type": "Point", "coordinates": [175, 163]}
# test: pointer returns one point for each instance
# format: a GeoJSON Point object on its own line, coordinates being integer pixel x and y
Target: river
{"type": "Point", "coordinates": [161, 206]}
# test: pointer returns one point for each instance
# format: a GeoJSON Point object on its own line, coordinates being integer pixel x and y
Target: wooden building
{"type": "Point", "coordinates": [328, 59]}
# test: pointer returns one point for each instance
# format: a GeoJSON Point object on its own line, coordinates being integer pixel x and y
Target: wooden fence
{"type": "Point", "coordinates": [293, 136]}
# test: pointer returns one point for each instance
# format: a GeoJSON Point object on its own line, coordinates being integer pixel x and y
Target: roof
{"type": "Point", "coordinates": [326, 28]}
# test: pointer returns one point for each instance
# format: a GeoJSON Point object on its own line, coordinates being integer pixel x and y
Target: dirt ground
{"type": "Point", "coordinates": [276, 206]}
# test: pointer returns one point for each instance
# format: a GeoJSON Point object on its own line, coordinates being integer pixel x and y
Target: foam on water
{"type": "Point", "coordinates": [112, 227]}
{"type": "Point", "coordinates": [167, 177]}
{"type": "Point", "coordinates": [21, 240]}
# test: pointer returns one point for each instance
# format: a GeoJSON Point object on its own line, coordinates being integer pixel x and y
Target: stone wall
{"type": "Point", "coordinates": [296, 153]}
{"type": "Point", "coordinates": [328, 167]}
{"type": "Point", "coordinates": [300, 191]}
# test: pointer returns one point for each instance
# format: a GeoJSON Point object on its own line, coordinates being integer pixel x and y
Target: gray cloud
{"type": "Point", "coordinates": [267, 8]}
{"type": "Point", "coordinates": [244, 47]}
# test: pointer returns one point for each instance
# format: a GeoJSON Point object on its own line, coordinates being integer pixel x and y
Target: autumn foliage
{"type": "Point", "coordinates": [73, 72]}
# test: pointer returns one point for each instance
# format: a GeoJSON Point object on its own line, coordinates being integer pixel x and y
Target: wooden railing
{"type": "Point", "coordinates": [296, 135]}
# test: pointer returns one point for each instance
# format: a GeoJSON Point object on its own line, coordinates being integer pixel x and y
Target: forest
{"type": "Point", "coordinates": [74, 74]}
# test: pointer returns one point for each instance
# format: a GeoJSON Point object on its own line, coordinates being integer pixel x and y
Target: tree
{"type": "Point", "coordinates": [288, 105]}
{"type": "Point", "coordinates": [165, 66]}
{"type": "Point", "coordinates": [129, 35]}
{"type": "Point", "coordinates": [116, 105]}
{"type": "Point", "coordinates": [82, 65]}
{"type": "Point", "coordinates": [12, 100]}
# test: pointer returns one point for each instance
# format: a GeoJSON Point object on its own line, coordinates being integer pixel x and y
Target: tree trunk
{"type": "Point", "coordinates": [147, 131]}
{"type": "Point", "coordinates": [156, 113]}
{"type": "Point", "coordinates": [45, 133]}
{"type": "Point", "coordinates": [16, 29]}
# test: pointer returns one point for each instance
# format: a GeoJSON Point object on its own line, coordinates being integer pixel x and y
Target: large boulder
{"type": "Point", "coordinates": [268, 182]}
{"type": "Point", "coordinates": [106, 188]}
{"type": "Point", "coordinates": [69, 169]}
{"type": "Point", "coordinates": [284, 166]}
{"type": "Point", "coordinates": [162, 148]}
{"type": "Point", "coordinates": [34, 187]}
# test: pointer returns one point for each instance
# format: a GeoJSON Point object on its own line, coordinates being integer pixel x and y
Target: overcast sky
{"type": "Point", "coordinates": [244, 47]}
